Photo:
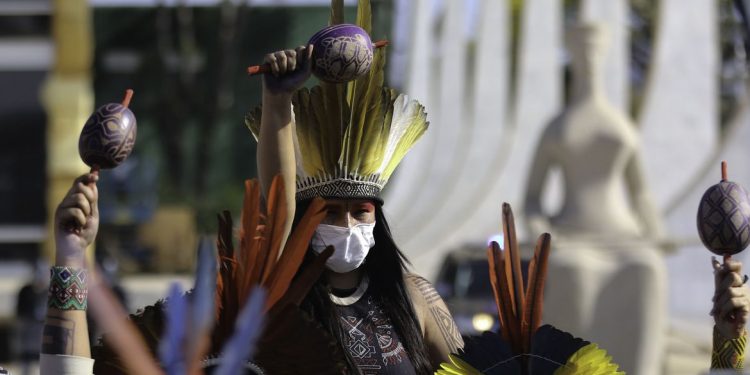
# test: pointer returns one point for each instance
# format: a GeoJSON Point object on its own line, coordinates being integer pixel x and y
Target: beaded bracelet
{"type": "Point", "coordinates": [68, 288]}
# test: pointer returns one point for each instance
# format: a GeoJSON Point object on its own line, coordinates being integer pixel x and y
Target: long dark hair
{"type": "Point", "coordinates": [385, 266]}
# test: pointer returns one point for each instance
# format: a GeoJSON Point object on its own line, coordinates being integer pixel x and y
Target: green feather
{"type": "Point", "coordinates": [337, 12]}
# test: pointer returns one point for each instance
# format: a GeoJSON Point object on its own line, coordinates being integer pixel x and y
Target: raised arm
{"type": "Point", "coordinates": [65, 340]}
{"type": "Point", "coordinates": [289, 71]}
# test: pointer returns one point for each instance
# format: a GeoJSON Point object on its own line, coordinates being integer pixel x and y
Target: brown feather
{"type": "Point", "coordinates": [535, 290]}
{"type": "Point", "coordinates": [513, 289]}
{"type": "Point", "coordinates": [509, 312]}
{"type": "Point", "coordinates": [294, 251]}
{"type": "Point", "coordinates": [247, 258]}
{"type": "Point", "coordinates": [514, 260]}
{"type": "Point", "coordinates": [277, 217]}
{"type": "Point", "coordinates": [300, 287]}
{"type": "Point", "coordinates": [496, 280]}
{"type": "Point", "coordinates": [526, 332]}
{"type": "Point", "coordinates": [286, 342]}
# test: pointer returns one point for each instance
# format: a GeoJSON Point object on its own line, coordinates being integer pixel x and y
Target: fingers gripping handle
{"type": "Point", "coordinates": [266, 68]}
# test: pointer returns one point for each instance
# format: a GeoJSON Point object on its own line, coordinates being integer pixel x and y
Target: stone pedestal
{"type": "Point", "coordinates": [613, 293]}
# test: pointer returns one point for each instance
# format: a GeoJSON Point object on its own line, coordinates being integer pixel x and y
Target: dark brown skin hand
{"type": "Point", "coordinates": [77, 221]}
{"type": "Point", "coordinates": [730, 302]}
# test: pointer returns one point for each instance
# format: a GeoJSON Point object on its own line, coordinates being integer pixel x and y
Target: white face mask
{"type": "Point", "coordinates": [351, 245]}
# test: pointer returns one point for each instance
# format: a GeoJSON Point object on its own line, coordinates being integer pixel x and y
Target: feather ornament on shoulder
{"type": "Point", "coordinates": [254, 296]}
{"type": "Point", "coordinates": [523, 346]}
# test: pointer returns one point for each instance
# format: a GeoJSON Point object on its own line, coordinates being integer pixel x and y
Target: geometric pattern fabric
{"type": "Point", "coordinates": [68, 288]}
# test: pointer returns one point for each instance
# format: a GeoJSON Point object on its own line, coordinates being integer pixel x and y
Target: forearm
{"type": "Point", "coordinates": [728, 353]}
{"type": "Point", "coordinates": [66, 333]}
{"type": "Point", "coordinates": [65, 327]}
{"type": "Point", "coordinates": [276, 144]}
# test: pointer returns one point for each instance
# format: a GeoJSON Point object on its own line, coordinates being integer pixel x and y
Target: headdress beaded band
{"type": "Point", "coordinates": [68, 288]}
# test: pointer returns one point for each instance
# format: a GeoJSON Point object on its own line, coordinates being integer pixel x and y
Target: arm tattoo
{"type": "Point", "coordinates": [58, 336]}
{"type": "Point", "coordinates": [448, 328]}
{"type": "Point", "coordinates": [428, 291]}
{"type": "Point", "coordinates": [442, 317]}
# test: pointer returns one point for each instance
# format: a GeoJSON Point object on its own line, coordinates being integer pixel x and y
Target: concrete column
{"type": "Point", "coordinates": [679, 119]}
{"type": "Point", "coordinates": [68, 98]}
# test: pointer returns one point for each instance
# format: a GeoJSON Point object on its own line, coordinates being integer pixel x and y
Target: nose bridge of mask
{"type": "Point", "coordinates": [329, 231]}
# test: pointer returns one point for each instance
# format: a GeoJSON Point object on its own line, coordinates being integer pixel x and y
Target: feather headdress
{"type": "Point", "coordinates": [350, 137]}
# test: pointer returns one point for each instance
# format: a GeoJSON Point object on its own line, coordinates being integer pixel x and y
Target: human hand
{"type": "Point", "coordinates": [289, 70]}
{"type": "Point", "coordinates": [77, 221]}
{"type": "Point", "coordinates": [730, 302]}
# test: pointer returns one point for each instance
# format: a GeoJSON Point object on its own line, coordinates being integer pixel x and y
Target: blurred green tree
{"type": "Point", "coordinates": [187, 67]}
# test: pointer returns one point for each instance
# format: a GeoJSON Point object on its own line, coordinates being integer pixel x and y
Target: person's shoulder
{"type": "Point", "coordinates": [420, 287]}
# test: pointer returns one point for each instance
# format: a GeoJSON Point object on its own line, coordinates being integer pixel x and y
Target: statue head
{"type": "Point", "coordinates": [587, 44]}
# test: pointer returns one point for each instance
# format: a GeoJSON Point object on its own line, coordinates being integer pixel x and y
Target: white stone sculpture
{"type": "Point", "coordinates": [607, 278]}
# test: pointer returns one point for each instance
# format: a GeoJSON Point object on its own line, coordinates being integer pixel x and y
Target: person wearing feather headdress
{"type": "Point", "coordinates": [342, 142]}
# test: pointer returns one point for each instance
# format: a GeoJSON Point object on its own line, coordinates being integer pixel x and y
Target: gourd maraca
{"type": "Point", "coordinates": [724, 217]}
{"type": "Point", "coordinates": [108, 137]}
{"type": "Point", "coordinates": [341, 53]}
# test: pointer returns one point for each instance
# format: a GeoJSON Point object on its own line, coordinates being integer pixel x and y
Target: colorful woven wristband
{"type": "Point", "coordinates": [68, 288]}
{"type": "Point", "coordinates": [728, 353]}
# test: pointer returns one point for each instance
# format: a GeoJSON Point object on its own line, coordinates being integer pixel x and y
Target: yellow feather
{"type": "Point", "coordinates": [360, 127]}
{"type": "Point", "coordinates": [589, 360]}
{"type": "Point", "coordinates": [364, 15]}
{"type": "Point", "coordinates": [456, 367]}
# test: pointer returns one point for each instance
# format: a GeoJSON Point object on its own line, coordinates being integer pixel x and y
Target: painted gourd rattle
{"type": "Point", "coordinates": [108, 136]}
{"type": "Point", "coordinates": [107, 139]}
{"type": "Point", "coordinates": [724, 217]}
{"type": "Point", "coordinates": [341, 53]}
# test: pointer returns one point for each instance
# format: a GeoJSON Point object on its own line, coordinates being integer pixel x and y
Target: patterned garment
{"type": "Point", "coordinates": [371, 339]}
{"type": "Point", "coordinates": [728, 354]}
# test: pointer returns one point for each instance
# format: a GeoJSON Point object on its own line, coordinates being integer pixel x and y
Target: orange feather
{"type": "Point", "coordinates": [294, 251]}
{"type": "Point", "coordinates": [535, 291]}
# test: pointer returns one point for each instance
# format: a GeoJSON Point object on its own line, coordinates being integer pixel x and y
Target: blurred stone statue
{"type": "Point", "coordinates": [607, 276]}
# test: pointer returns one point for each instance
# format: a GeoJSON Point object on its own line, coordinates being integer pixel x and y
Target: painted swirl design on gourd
{"type": "Point", "coordinates": [341, 53]}
{"type": "Point", "coordinates": [108, 137]}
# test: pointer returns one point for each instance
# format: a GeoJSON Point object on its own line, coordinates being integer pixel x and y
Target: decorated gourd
{"type": "Point", "coordinates": [724, 217]}
{"type": "Point", "coordinates": [341, 53]}
{"type": "Point", "coordinates": [108, 136]}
